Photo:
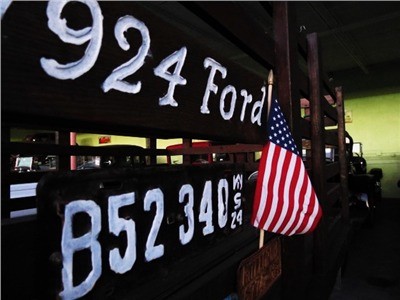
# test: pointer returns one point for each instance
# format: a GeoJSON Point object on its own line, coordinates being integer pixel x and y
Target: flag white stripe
{"type": "Point", "coordinates": [296, 197]}
{"type": "Point", "coordinates": [264, 184]}
{"type": "Point", "coordinates": [313, 215]}
{"type": "Point", "coordinates": [305, 206]}
{"type": "Point", "coordinates": [286, 197]}
{"type": "Point", "coordinates": [275, 192]}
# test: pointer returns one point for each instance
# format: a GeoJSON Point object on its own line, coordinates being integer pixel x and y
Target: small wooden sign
{"type": "Point", "coordinates": [258, 272]}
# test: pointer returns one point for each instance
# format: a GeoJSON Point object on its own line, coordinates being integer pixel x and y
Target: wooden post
{"type": "Point", "coordinates": [342, 155]}
{"type": "Point", "coordinates": [151, 143]}
{"type": "Point", "coordinates": [317, 148]}
{"type": "Point", "coordinates": [296, 256]}
{"type": "Point", "coordinates": [186, 143]}
{"type": "Point", "coordinates": [64, 162]}
{"type": "Point", "coordinates": [5, 174]}
{"type": "Point", "coordinates": [287, 69]}
{"type": "Point", "coordinates": [72, 142]}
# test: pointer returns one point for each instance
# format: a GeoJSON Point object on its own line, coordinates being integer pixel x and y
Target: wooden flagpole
{"type": "Point", "coordinates": [269, 98]}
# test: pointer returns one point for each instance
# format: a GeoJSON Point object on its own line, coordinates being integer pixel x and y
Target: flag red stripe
{"type": "Point", "coordinates": [291, 195]}
{"type": "Point", "coordinates": [305, 207]}
{"type": "Point", "coordinates": [299, 183]}
{"type": "Point", "coordinates": [300, 201]}
{"type": "Point", "coordinates": [271, 179]}
{"type": "Point", "coordinates": [281, 184]}
{"type": "Point", "coordinates": [259, 184]}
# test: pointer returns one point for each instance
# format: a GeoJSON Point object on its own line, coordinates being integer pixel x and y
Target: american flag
{"type": "Point", "coordinates": [284, 201]}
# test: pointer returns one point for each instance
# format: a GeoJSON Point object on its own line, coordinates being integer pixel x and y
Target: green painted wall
{"type": "Point", "coordinates": [376, 124]}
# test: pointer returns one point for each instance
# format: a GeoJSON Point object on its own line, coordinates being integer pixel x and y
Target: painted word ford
{"type": "Point", "coordinates": [116, 80]}
{"type": "Point", "coordinates": [109, 59]}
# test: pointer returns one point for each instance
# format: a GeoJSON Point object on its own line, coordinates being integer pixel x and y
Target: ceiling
{"type": "Point", "coordinates": [359, 40]}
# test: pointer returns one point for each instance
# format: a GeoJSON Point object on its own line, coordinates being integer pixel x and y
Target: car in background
{"type": "Point", "coordinates": [121, 156]}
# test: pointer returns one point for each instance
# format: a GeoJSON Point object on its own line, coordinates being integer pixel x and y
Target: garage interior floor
{"type": "Point", "coordinates": [372, 268]}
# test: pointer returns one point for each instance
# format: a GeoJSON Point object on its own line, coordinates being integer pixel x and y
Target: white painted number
{"type": "Point", "coordinates": [123, 260]}
{"type": "Point", "coordinates": [165, 69]}
{"type": "Point", "coordinates": [71, 244]}
{"type": "Point", "coordinates": [186, 191]}
{"type": "Point", "coordinates": [116, 78]}
{"type": "Point", "coordinates": [178, 58]}
{"type": "Point", "coordinates": [93, 34]}
{"type": "Point", "coordinates": [236, 218]}
{"type": "Point", "coordinates": [206, 210]}
{"type": "Point", "coordinates": [223, 196]}
{"type": "Point", "coordinates": [156, 195]}
{"type": "Point", "coordinates": [117, 263]}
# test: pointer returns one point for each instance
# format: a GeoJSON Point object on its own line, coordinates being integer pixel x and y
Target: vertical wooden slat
{"type": "Point", "coordinates": [63, 138]}
{"type": "Point", "coordinates": [5, 174]}
{"type": "Point", "coordinates": [72, 138]}
{"type": "Point", "coordinates": [151, 143]}
{"type": "Point", "coordinates": [287, 69]}
{"type": "Point", "coordinates": [296, 255]}
{"type": "Point", "coordinates": [186, 143]}
{"type": "Point", "coordinates": [317, 149]}
{"type": "Point", "coordinates": [342, 154]}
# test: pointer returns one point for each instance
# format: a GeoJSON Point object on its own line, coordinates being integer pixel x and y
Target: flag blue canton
{"type": "Point", "coordinates": [279, 132]}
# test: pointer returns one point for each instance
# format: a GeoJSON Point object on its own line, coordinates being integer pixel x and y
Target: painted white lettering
{"type": "Point", "coordinates": [247, 99]}
{"type": "Point", "coordinates": [178, 58]}
{"type": "Point", "coordinates": [211, 86]}
{"type": "Point", "coordinates": [257, 108]}
{"type": "Point", "coordinates": [186, 236]}
{"type": "Point", "coordinates": [233, 220]}
{"type": "Point", "coordinates": [71, 244]}
{"type": "Point", "coordinates": [237, 182]}
{"type": "Point", "coordinates": [93, 34]}
{"type": "Point", "coordinates": [236, 218]}
{"type": "Point", "coordinates": [239, 217]}
{"type": "Point", "coordinates": [117, 263]}
{"type": "Point", "coordinates": [223, 195]}
{"type": "Point", "coordinates": [238, 200]}
{"type": "Point", "coordinates": [116, 78]}
{"type": "Point", "coordinates": [156, 195]}
{"type": "Point", "coordinates": [206, 210]}
{"type": "Point", "coordinates": [227, 115]}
